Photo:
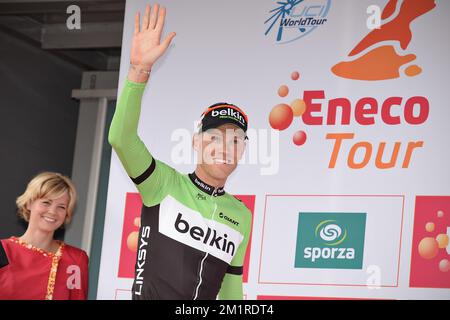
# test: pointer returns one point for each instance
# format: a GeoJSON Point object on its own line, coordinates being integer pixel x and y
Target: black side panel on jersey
{"type": "Point", "coordinates": [213, 268]}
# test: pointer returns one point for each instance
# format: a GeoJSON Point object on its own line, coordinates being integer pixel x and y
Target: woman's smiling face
{"type": "Point", "coordinates": [48, 213]}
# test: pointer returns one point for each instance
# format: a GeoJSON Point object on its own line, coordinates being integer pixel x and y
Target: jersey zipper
{"type": "Point", "coordinates": [213, 196]}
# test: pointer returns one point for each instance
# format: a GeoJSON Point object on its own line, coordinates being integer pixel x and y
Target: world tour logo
{"type": "Point", "coordinates": [330, 240]}
{"type": "Point", "coordinates": [291, 20]}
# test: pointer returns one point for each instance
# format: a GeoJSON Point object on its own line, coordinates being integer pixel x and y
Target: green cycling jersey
{"type": "Point", "coordinates": [193, 237]}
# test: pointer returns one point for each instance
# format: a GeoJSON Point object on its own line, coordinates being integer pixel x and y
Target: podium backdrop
{"type": "Point", "coordinates": [347, 167]}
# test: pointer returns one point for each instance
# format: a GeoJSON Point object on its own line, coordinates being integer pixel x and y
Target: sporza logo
{"type": "Point", "coordinates": [330, 240]}
{"type": "Point", "coordinates": [330, 232]}
{"type": "Point", "coordinates": [291, 20]}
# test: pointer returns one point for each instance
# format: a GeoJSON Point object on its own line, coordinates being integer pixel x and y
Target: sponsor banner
{"type": "Point", "coordinates": [332, 240]}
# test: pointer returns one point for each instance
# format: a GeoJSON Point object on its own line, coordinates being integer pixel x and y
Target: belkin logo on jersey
{"type": "Point", "coordinates": [192, 229]}
{"type": "Point", "coordinates": [209, 236]}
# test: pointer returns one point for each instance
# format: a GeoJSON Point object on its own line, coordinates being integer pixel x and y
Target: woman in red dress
{"type": "Point", "coordinates": [35, 266]}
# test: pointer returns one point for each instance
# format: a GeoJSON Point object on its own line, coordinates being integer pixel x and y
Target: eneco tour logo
{"type": "Point", "coordinates": [291, 20]}
{"type": "Point", "coordinates": [375, 57]}
{"type": "Point", "coordinates": [330, 240]}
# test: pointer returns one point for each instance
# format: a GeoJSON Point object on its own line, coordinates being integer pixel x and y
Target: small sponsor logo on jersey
{"type": "Point", "coordinates": [223, 216]}
{"type": "Point", "coordinates": [192, 229]}
{"type": "Point", "coordinates": [202, 185]}
{"type": "Point", "coordinates": [141, 256]}
{"type": "Point", "coordinates": [200, 196]}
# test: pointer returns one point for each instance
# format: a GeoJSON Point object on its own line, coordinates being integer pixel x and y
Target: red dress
{"type": "Point", "coordinates": [30, 273]}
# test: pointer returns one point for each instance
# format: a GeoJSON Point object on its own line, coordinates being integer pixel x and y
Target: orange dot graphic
{"type": "Point", "coordinates": [444, 265]}
{"type": "Point", "coordinates": [429, 227]}
{"type": "Point", "coordinates": [440, 214]}
{"type": "Point", "coordinates": [428, 248]}
{"type": "Point", "coordinates": [137, 222]}
{"type": "Point", "coordinates": [281, 117]}
{"type": "Point", "coordinates": [283, 91]}
{"type": "Point", "coordinates": [295, 75]}
{"type": "Point", "coordinates": [413, 70]}
{"type": "Point", "coordinates": [442, 240]}
{"type": "Point", "coordinates": [299, 138]}
{"type": "Point", "coordinates": [132, 241]}
{"type": "Point", "coordinates": [298, 107]}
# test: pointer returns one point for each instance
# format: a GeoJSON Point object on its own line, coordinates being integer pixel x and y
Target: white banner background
{"type": "Point", "coordinates": [220, 53]}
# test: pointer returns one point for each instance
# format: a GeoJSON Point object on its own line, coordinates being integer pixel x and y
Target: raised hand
{"type": "Point", "coordinates": [146, 47]}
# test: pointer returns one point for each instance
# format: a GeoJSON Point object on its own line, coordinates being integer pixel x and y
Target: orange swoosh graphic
{"type": "Point", "coordinates": [381, 63]}
{"type": "Point", "coordinates": [399, 28]}
{"type": "Point", "coordinates": [389, 9]}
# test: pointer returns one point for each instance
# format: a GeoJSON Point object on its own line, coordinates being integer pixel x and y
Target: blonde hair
{"type": "Point", "coordinates": [47, 184]}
